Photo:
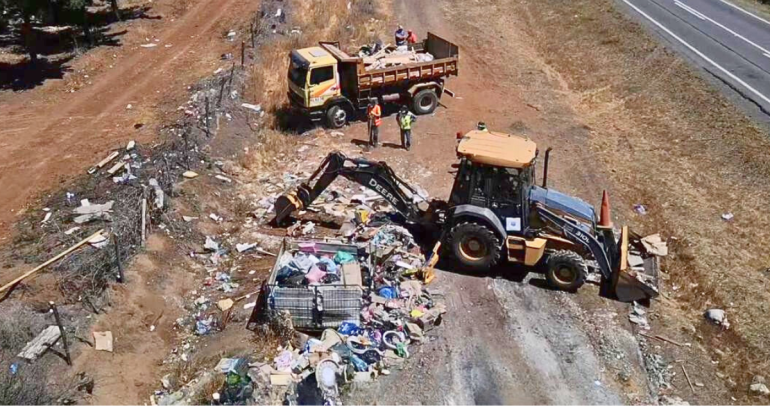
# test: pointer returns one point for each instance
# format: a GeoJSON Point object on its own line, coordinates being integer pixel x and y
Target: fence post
{"type": "Point", "coordinates": [208, 130]}
{"type": "Point", "coordinates": [121, 276]}
{"type": "Point", "coordinates": [243, 53]}
{"type": "Point", "coordinates": [61, 330]}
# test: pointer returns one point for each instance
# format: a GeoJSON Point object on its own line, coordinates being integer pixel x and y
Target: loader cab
{"type": "Point", "coordinates": [313, 77]}
{"type": "Point", "coordinates": [495, 172]}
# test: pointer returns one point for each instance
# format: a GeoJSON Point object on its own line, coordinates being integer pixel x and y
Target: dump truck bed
{"type": "Point", "coordinates": [445, 54]}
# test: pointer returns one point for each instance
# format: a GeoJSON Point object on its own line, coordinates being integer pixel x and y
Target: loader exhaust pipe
{"type": "Point", "coordinates": [545, 167]}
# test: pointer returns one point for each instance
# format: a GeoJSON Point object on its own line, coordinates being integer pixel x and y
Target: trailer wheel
{"type": "Point", "coordinates": [336, 117]}
{"type": "Point", "coordinates": [475, 246]}
{"type": "Point", "coordinates": [566, 270]}
{"type": "Point", "coordinates": [425, 101]}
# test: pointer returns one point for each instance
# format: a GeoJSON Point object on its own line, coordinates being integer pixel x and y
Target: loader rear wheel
{"type": "Point", "coordinates": [475, 246]}
{"type": "Point", "coordinates": [425, 102]}
{"type": "Point", "coordinates": [566, 270]}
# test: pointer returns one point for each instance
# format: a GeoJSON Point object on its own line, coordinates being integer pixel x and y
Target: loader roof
{"type": "Point", "coordinates": [497, 149]}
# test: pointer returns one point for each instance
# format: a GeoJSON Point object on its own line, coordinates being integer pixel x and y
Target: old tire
{"type": "Point", "coordinates": [566, 270]}
{"type": "Point", "coordinates": [475, 246]}
{"type": "Point", "coordinates": [336, 117]}
{"type": "Point", "coordinates": [425, 102]}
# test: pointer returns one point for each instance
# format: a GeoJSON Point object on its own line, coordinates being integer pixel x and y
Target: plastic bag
{"type": "Point", "coordinates": [343, 257]}
{"type": "Point", "coordinates": [349, 328]}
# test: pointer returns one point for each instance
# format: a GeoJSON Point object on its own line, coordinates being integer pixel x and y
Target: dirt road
{"type": "Point", "coordinates": [507, 339]}
{"type": "Point", "coordinates": [49, 133]}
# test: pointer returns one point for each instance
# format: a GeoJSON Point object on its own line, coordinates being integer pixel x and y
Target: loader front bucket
{"type": "Point", "coordinates": [635, 277]}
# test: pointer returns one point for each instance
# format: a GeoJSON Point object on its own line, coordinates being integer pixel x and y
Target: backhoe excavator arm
{"type": "Point", "coordinates": [377, 176]}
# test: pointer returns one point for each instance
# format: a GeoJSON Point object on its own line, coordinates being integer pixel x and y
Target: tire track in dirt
{"type": "Point", "coordinates": [45, 138]}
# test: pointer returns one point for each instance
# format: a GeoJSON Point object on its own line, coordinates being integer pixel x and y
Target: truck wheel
{"type": "Point", "coordinates": [425, 101]}
{"type": "Point", "coordinates": [336, 117]}
{"type": "Point", "coordinates": [476, 247]}
{"type": "Point", "coordinates": [566, 270]}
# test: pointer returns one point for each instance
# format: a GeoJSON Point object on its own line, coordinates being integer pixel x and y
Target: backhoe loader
{"type": "Point", "coordinates": [497, 212]}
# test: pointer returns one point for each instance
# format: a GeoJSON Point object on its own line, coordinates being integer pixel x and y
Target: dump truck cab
{"type": "Point", "coordinates": [329, 85]}
{"type": "Point", "coordinates": [313, 78]}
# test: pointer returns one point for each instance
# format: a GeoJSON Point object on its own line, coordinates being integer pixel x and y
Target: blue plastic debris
{"type": "Point", "coordinates": [349, 328]}
{"type": "Point", "coordinates": [358, 363]}
{"type": "Point", "coordinates": [388, 292]}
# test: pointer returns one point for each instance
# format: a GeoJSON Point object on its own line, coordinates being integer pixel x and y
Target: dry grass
{"type": "Point", "coordinates": [674, 144]}
{"type": "Point", "coordinates": [316, 20]}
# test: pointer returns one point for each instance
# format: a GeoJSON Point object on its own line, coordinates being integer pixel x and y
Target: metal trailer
{"type": "Point", "coordinates": [318, 307]}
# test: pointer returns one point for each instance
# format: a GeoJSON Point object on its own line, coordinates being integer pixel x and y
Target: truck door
{"type": "Point", "coordinates": [323, 85]}
{"type": "Point", "coordinates": [506, 199]}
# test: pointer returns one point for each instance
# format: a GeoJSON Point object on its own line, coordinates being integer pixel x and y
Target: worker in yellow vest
{"type": "Point", "coordinates": [405, 120]}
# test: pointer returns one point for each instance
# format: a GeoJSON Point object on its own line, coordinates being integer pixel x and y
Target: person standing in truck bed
{"type": "Point", "coordinates": [401, 36]}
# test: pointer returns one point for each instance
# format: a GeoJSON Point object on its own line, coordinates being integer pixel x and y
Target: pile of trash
{"type": "Point", "coordinates": [396, 307]}
{"type": "Point", "coordinates": [376, 57]}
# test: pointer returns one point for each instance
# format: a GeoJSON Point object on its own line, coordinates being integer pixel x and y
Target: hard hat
{"type": "Point", "coordinates": [481, 125]}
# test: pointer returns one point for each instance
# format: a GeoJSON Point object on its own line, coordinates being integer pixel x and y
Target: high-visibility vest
{"type": "Point", "coordinates": [376, 113]}
{"type": "Point", "coordinates": [406, 121]}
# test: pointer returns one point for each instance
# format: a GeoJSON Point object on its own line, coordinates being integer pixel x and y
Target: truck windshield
{"type": "Point", "coordinates": [298, 75]}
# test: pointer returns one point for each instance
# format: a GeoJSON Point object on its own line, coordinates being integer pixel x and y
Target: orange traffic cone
{"type": "Point", "coordinates": [604, 215]}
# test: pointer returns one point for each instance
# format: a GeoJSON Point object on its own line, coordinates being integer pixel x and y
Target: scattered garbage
{"type": "Point", "coordinates": [223, 178]}
{"type": "Point", "coordinates": [718, 317]}
{"type": "Point", "coordinates": [158, 192]}
{"type": "Point", "coordinates": [640, 209]}
{"type": "Point", "coordinates": [89, 212]}
{"type": "Point", "coordinates": [638, 316]}
{"type": "Point", "coordinates": [758, 386]}
{"type": "Point", "coordinates": [210, 244]}
{"type": "Point", "coordinates": [727, 216]}
{"type": "Point", "coordinates": [254, 107]}
{"type": "Point", "coordinates": [241, 248]}
{"type": "Point", "coordinates": [103, 341]}
{"type": "Point", "coordinates": [190, 174]}
{"type": "Point", "coordinates": [655, 245]}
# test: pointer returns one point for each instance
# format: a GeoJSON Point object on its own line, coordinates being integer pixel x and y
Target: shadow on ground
{"type": "Point", "coordinates": [56, 48]}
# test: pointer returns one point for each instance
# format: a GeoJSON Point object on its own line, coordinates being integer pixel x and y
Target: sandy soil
{"type": "Point", "coordinates": [506, 339]}
{"type": "Point", "coordinates": [63, 127]}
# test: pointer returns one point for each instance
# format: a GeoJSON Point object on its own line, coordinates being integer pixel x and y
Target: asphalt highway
{"type": "Point", "coordinates": [727, 40]}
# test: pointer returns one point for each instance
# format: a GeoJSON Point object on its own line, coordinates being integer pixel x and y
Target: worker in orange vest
{"type": "Point", "coordinates": [374, 112]}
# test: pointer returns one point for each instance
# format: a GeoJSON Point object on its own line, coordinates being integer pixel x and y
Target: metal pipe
{"type": "Point", "coordinates": [545, 167]}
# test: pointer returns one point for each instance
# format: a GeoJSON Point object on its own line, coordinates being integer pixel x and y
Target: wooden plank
{"type": "Point", "coordinates": [107, 160]}
{"type": "Point", "coordinates": [41, 343]}
{"type": "Point", "coordinates": [624, 248]}
{"type": "Point", "coordinates": [49, 262]}
{"type": "Point", "coordinates": [117, 167]}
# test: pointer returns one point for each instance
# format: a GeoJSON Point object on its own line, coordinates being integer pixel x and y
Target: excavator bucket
{"type": "Point", "coordinates": [285, 205]}
{"type": "Point", "coordinates": [635, 277]}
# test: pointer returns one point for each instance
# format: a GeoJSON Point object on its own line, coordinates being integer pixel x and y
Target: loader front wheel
{"type": "Point", "coordinates": [566, 270]}
{"type": "Point", "coordinates": [475, 246]}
